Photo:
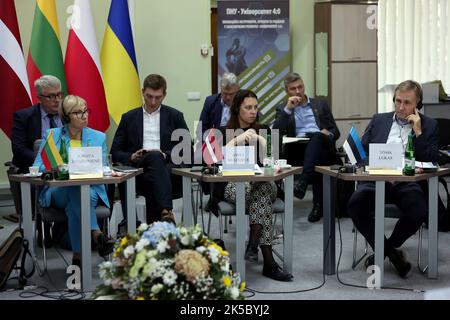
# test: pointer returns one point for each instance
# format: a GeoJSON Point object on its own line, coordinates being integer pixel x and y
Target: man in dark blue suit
{"type": "Point", "coordinates": [30, 125]}
{"type": "Point", "coordinates": [394, 127]}
{"type": "Point", "coordinates": [216, 109]}
{"type": "Point", "coordinates": [143, 139]}
{"type": "Point", "coordinates": [216, 112]}
{"type": "Point", "coordinates": [302, 116]}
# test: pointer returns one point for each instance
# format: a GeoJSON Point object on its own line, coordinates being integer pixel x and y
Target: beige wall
{"type": "Point", "coordinates": [168, 36]}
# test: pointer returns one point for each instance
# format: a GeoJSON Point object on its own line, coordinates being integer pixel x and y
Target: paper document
{"type": "Point", "coordinates": [385, 172]}
{"type": "Point", "coordinates": [426, 165]}
{"type": "Point", "coordinates": [239, 172]}
{"type": "Point", "coordinates": [294, 139]}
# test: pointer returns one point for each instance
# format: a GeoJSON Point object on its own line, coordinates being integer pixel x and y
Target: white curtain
{"type": "Point", "coordinates": [413, 43]}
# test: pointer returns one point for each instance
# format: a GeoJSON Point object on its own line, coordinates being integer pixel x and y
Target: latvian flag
{"type": "Point", "coordinates": [50, 154]}
{"type": "Point", "coordinates": [354, 149]}
{"type": "Point", "coordinates": [212, 152]}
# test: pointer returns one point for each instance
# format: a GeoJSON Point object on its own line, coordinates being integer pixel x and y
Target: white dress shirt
{"type": "Point", "coordinates": [152, 129]}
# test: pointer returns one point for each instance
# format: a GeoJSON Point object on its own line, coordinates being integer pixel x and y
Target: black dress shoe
{"type": "Point", "coordinates": [370, 261]}
{"type": "Point", "coordinates": [104, 246]}
{"type": "Point", "coordinates": [316, 213]}
{"type": "Point", "coordinates": [276, 273]}
{"type": "Point", "coordinates": [398, 259]}
{"type": "Point", "coordinates": [76, 262]}
{"type": "Point", "coordinates": [300, 189]}
{"type": "Point", "coordinates": [251, 253]}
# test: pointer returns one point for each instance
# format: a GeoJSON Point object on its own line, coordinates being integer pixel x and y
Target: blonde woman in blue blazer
{"type": "Point", "coordinates": [75, 133]}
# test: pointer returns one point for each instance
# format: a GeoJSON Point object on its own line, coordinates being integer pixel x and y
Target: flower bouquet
{"type": "Point", "coordinates": [162, 261]}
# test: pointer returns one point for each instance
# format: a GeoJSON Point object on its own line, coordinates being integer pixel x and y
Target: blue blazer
{"type": "Point", "coordinates": [425, 147]}
{"type": "Point", "coordinates": [211, 113]}
{"type": "Point", "coordinates": [322, 113]}
{"type": "Point", "coordinates": [90, 138]}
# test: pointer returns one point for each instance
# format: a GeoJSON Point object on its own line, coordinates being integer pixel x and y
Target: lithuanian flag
{"type": "Point", "coordinates": [45, 55]}
{"type": "Point", "coordinates": [50, 154]}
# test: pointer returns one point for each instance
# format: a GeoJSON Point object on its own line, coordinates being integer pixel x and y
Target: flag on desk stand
{"type": "Point", "coordinates": [353, 147]}
{"type": "Point", "coordinates": [212, 152]}
{"type": "Point", "coordinates": [49, 154]}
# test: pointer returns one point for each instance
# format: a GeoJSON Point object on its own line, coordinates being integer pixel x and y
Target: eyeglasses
{"type": "Point", "coordinates": [53, 96]}
{"type": "Point", "coordinates": [80, 114]}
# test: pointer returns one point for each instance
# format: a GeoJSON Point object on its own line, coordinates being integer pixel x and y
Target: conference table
{"type": "Point", "coordinates": [241, 223]}
{"type": "Point", "coordinates": [84, 184]}
{"type": "Point", "coordinates": [329, 191]}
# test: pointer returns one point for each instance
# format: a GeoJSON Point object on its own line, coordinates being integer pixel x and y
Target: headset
{"type": "Point", "coordinates": [63, 114]}
{"type": "Point", "coordinates": [416, 86]}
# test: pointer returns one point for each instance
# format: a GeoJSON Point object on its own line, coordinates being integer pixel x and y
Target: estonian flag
{"type": "Point", "coordinates": [354, 149]}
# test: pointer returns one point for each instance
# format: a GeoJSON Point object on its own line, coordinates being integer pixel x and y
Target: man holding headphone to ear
{"type": "Point", "coordinates": [394, 127]}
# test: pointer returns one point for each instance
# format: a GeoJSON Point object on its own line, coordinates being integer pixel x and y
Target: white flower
{"type": "Point", "coordinates": [162, 246]}
{"type": "Point", "coordinates": [156, 288]}
{"type": "Point", "coordinates": [185, 239]}
{"type": "Point", "coordinates": [201, 249]}
{"type": "Point", "coordinates": [196, 235]}
{"type": "Point", "coordinates": [214, 254]}
{"type": "Point", "coordinates": [141, 244]}
{"type": "Point", "coordinates": [234, 292]}
{"type": "Point", "coordinates": [225, 267]}
{"type": "Point", "coordinates": [128, 252]}
{"type": "Point", "coordinates": [170, 277]}
{"type": "Point", "coordinates": [143, 227]}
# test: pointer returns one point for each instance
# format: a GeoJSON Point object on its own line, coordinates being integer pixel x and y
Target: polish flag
{"type": "Point", "coordinates": [14, 86]}
{"type": "Point", "coordinates": [211, 150]}
{"type": "Point", "coordinates": [82, 65]}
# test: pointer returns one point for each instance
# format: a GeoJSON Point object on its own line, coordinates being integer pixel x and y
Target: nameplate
{"type": "Point", "coordinates": [238, 158]}
{"type": "Point", "coordinates": [85, 163]}
{"type": "Point", "coordinates": [385, 156]}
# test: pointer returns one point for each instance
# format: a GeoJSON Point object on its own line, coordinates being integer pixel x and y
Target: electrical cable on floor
{"type": "Point", "coordinates": [302, 290]}
{"type": "Point", "coordinates": [360, 286]}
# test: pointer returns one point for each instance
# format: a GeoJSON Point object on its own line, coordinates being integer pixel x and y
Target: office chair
{"type": "Point", "coordinates": [14, 186]}
{"type": "Point", "coordinates": [391, 211]}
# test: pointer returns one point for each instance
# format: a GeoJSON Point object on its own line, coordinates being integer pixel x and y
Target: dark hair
{"type": "Point", "coordinates": [155, 82]}
{"type": "Point", "coordinates": [233, 122]}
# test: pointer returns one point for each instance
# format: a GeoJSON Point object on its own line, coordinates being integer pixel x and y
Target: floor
{"type": "Point", "coordinates": [309, 282]}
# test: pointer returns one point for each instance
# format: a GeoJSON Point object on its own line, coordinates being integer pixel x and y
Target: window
{"type": "Point", "coordinates": [413, 43]}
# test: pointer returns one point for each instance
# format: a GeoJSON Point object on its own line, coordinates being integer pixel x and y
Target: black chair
{"type": "Point", "coordinates": [391, 211]}
{"type": "Point", "coordinates": [444, 133]}
{"type": "Point", "coordinates": [14, 186]}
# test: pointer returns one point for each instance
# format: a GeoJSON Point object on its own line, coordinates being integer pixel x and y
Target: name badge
{"type": "Point", "coordinates": [85, 162]}
{"type": "Point", "coordinates": [239, 158]}
{"type": "Point", "coordinates": [386, 156]}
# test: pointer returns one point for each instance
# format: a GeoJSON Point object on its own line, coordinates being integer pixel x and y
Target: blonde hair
{"type": "Point", "coordinates": [68, 104]}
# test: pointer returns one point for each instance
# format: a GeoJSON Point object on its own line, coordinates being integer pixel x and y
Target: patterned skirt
{"type": "Point", "coordinates": [259, 197]}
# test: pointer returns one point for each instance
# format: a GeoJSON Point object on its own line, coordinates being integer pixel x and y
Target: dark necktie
{"type": "Point", "coordinates": [52, 121]}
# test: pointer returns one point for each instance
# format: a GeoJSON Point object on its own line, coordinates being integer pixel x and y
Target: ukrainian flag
{"type": "Point", "coordinates": [118, 60]}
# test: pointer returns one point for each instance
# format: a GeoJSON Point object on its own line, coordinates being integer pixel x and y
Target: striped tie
{"type": "Point", "coordinates": [52, 121]}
